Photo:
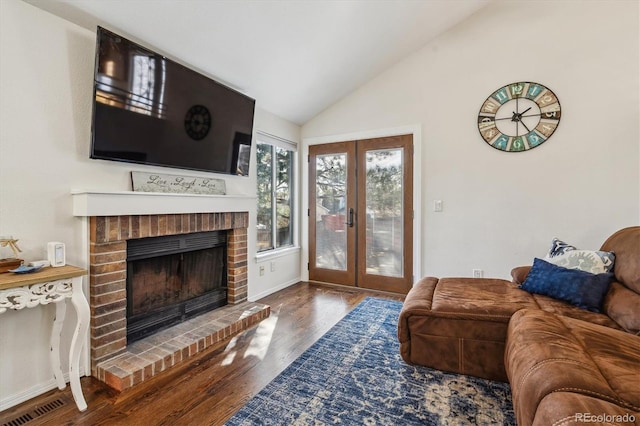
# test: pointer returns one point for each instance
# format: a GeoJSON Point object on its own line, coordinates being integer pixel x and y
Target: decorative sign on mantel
{"type": "Point", "coordinates": [175, 184]}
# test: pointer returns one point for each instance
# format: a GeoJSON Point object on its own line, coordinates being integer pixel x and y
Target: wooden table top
{"type": "Point", "coordinates": [12, 280]}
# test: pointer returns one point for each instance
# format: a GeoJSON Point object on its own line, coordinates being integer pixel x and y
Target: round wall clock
{"type": "Point", "coordinates": [197, 122]}
{"type": "Point", "coordinates": [519, 116]}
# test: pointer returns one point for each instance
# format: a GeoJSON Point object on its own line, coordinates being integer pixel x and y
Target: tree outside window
{"type": "Point", "coordinates": [275, 201]}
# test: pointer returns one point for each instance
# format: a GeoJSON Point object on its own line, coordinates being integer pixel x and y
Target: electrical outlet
{"type": "Point", "coordinates": [477, 273]}
{"type": "Point", "coordinates": [273, 266]}
{"type": "Point", "coordinates": [261, 270]}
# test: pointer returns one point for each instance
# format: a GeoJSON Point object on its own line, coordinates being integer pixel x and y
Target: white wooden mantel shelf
{"type": "Point", "coordinates": [95, 203]}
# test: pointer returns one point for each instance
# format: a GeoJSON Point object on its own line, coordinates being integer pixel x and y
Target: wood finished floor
{"type": "Point", "coordinates": [211, 387]}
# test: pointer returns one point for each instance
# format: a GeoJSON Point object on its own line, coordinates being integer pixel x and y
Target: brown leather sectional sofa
{"type": "Point", "coordinates": [565, 365]}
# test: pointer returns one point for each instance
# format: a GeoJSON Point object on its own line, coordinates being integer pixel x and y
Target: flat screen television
{"type": "Point", "coordinates": [151, 110]}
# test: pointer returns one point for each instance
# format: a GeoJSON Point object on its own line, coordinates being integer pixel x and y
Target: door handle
{"type": "Point", "coordinates": [350, 222]}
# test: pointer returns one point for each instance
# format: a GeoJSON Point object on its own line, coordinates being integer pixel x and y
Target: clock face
{"type": "Point", "coordinates": [197, 122]}
{"type": "Point", "coordinates": [519, 116]}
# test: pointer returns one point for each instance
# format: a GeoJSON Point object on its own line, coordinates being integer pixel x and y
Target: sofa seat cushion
{"type": "Point", "coordinates": [459, 324]}
{"type": "Point", "coordinates": [546, 353]}
{"type": "Point", "coordinates": [558, 307]}
{"type": "Point", "coordinates": [483, 297]}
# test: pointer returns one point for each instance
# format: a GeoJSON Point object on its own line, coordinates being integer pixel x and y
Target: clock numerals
{"type": "Point", "coordinates": [487, 126]}
{"type": "Point", "coordinates": [546, 128]}
{"type": "Point", "coordinates": [501, 143]}
{"type": "Point", "coordinates": [490, 106]}
{"type": "Point", "coordinates": [534, 91]}
{"type": "Point", "coordinates": [546, 99]}
{"type": "Point", "coordinates": [552, 115]}
{"type": "Point", "coordinates": [490, 134]}
{"type": "Point", "coordinates": [519, 116]}
{"type": "Point", "coordinates": [534, 139]}
{"type": "Point", "coordinates": [517, 144]}
{"type": "Point", "coordinates": [501, 95]}
{"type": "Point", "coordinates": [486, 121]}
{"type": "Point", "coordinates": [516, 89]}
{"type": "Point", "coordinates": [551, 111]}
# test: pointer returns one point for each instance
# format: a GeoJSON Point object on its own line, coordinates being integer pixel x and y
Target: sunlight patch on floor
{"type": "Point", "coordinates": [228, 360]}
{"type": "Point", "coordinates": [259, 344]}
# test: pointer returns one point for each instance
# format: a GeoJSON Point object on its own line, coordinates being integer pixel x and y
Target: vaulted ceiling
{"type": "Point", "coordinates": [296, 57]}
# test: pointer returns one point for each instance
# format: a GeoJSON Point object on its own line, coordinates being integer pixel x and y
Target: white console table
{"type": "Point", "coordinates": [53, 285]}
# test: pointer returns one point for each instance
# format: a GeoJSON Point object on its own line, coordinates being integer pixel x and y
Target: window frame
{"type": "Point", "coordinates": [276, 142]}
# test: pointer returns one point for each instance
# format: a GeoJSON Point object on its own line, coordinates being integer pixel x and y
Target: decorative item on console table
{"type": "Point", "coordinates": [10, 262]}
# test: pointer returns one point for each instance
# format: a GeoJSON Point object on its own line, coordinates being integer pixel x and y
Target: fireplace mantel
{"type": "Point", "coordinates": [118, 203]}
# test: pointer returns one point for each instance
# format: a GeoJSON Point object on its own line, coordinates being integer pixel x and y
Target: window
{"type": "Point", "coordinates": [275, 179]}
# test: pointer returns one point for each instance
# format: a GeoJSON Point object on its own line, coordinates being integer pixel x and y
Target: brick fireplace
{"type": "Point", "coordinates": [122, 366]}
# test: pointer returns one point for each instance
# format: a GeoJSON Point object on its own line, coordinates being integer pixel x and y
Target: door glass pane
{"type": "Point", "coordinates": [384, 204]}
{"type": "Point", "coordinates": [331, 200]}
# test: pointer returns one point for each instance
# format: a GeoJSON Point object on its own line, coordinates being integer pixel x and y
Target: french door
{"type": "Point", "coordinates": [361, 213]}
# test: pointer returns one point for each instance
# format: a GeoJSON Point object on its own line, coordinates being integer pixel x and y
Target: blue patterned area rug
{"type": "Point", "coordinates": [354, 375]}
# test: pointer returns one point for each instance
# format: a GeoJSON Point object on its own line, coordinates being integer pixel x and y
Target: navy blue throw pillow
{"type": "Point", "coordinates": [580, 288]}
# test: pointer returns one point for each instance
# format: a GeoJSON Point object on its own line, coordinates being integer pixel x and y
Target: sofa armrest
{"type": "Point", "coordinates": [519, 273]}
{"type": "Point", "coordinates": [418, 300]}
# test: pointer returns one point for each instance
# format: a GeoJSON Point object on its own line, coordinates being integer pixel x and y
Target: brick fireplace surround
{"type": "Point", "coordinates": [122, 366]}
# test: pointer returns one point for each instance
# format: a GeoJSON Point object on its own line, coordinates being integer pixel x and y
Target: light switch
{"type": "Point", "coordinates": [437, 206]}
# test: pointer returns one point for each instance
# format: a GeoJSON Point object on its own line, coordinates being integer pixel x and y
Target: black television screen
{"type": "Point", "coordinates": [151, 110]}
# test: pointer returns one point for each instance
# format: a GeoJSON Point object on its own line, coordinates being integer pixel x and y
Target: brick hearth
{"type": "Point", "coordinates": [111, 360]}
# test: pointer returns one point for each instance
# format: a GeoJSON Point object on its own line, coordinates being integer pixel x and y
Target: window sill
{"type": "Point", "coordinates": [273, 254]}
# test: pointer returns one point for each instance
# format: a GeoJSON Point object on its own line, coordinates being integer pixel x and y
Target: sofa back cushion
{"type": "Point", "coordinates": [622, 303]}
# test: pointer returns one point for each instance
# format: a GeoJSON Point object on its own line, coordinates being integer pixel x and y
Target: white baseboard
{"type": "Point", "coordinates": [33, 391]}
{"type": "Point", "coordinates": [272, 290]}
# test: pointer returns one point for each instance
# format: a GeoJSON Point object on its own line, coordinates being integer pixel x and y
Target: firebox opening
{"type": "Point", "coordinates": [173, 278]}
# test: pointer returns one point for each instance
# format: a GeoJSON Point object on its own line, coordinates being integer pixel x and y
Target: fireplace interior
{"type": "Point", "coordinates": [173, 278]}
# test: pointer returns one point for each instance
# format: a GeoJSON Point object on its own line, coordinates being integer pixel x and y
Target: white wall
{"type": "Point", "coordinates": [46, 72]}
{"type": "Point", "coordinates": [502, 209]}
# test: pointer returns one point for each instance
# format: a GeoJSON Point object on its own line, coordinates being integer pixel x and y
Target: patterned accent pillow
{"type": "Point", "coordinates": [568, 256]}
{"type": "Point", "coordinates": [559, 247]}
{"type": "Point", "coordinates": [582, 289]}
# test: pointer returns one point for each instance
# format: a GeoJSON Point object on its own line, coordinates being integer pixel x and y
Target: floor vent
{"type": "Point", "coordinates": [34, 413]}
